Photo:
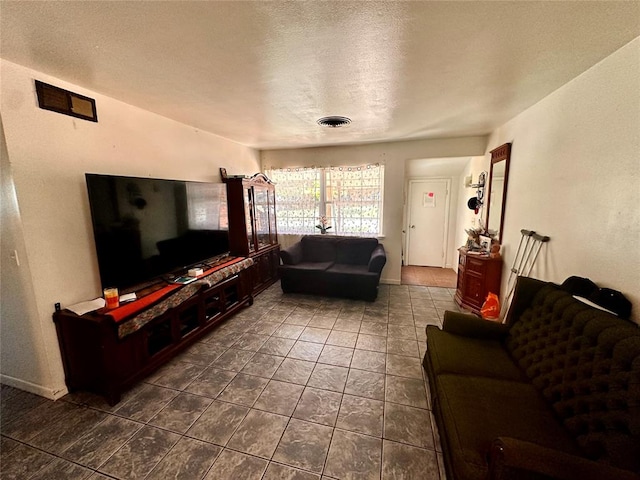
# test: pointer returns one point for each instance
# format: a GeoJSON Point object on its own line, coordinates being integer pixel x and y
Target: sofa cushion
{"type": "Point", "coordinates": [355, 250]}
{"type": "Point", "coordinates": [346, 269]}
{"type": "Point", "coordinates": [468, 325]}
{"type": "Point", "coordinates": [450, 353]}
{"type": "Point", "coordinates": [477, 410]}
{"type": "Point", "coordinates": [292, 255]}
{"type": "Point", "coordinates": [540, 338]}
{"type": "Point", "coordinates": [351, 281]}
{"type": "Point", "coordinates": [318, 248]}
{"type": "Point", "coordinates": [307, 266]}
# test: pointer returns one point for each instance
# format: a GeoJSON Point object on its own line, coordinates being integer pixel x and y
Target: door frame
{"type": "Point", "coordinates": [447, 213]}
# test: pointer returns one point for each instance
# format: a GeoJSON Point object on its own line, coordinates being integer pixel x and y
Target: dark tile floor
{"type": "Point", "coordinates": [294, 387]}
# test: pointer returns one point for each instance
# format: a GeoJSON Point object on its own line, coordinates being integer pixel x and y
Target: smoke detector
{"type": "Point", "coordinates": [333, 121]}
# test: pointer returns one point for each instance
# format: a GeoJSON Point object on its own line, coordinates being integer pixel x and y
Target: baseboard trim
{"type": "Point", "coordinates": [390, 281]}
{"type": "Point", "coordinates": [50, 393]}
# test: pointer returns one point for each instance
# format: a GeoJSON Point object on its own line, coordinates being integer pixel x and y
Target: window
{"type": "Point", "coordinates": [349, 197]}
{"type": "Point", "coordinates": [207, 206]}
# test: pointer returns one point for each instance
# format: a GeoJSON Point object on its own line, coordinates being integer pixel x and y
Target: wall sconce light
{"type": "Point", "coordinates": [476, 202]}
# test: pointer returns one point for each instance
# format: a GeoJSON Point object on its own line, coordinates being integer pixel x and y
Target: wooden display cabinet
{"type": "Point", "coordinates": [477, 276]}
{"type": "Point", "coordinates": [252, 225]}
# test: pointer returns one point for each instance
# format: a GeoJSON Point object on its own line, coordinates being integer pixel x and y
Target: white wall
{"type": "Point", "coordinates": [24, 357]}
{"type": "Point", "coordinates": [49, 154]}
{"type": "Point", "coordinates": [575, 176]}
{"type": "Point", "coordinates": [447, 168]}
{"type": "Point", "coordinates": [393, 155]}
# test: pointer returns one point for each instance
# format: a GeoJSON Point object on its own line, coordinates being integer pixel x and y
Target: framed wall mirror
{"type": "Point", "coordinates": [498, 178]}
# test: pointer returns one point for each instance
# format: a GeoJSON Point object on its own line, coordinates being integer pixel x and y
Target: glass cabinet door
{"type": "Point", "coordinates": [261, 208]}
{"type": "Point", "coordinates": [272, 217]}
{"type": "Point", "coordinates": [248, 202]}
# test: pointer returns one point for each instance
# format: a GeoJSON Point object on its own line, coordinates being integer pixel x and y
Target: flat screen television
{"type": "Point", "coordinates": [148, 228]}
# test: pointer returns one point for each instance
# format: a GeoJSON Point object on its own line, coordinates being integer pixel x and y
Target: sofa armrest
{"type": "Point", "coordinates": [292, 255]}
{"type": "Point", "coordinates": [378, 259]}
{"type": "Point", "coordinates": [524, 293]}
{"type": "Point", "coordinates": [471, 326]}
{"type": "Point", "coordinates": [510, 458]}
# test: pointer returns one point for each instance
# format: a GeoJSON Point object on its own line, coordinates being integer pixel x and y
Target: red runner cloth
{"type": "Point", "coordinates": [126, 310]}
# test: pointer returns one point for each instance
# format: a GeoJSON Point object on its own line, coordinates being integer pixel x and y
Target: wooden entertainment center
{"type": "Point", "coordinates": [105, 356]}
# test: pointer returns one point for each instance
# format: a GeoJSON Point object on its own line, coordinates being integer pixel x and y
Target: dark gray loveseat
{"type": "Point", "coordinates": [336, 266]}
{"type": "Point", "coordinates": [553, 393]}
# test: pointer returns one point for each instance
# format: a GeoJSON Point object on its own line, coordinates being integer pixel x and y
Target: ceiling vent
{"type": "Point", "coordinates": [334, 121]}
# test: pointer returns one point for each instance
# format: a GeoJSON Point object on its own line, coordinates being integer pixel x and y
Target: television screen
{"type": "Point", "coordinates": [146, 227]}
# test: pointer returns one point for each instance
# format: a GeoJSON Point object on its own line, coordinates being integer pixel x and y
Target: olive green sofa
{"type": "Point", "coordinates": [552, 393]}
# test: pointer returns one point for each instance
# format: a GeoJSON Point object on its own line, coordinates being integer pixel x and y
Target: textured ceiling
{"type": "Point", "coordinates": [262, 73]}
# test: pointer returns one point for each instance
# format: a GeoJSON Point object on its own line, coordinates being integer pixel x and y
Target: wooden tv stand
{"type": "Point", "coordinates": [97, 359]}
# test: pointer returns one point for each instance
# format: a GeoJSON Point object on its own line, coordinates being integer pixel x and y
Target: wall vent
{"type": "Point", "coordinates": [66, 102]}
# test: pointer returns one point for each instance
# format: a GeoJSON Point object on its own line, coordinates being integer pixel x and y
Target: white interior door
{"type": "Point", "coordinates": [427, 228]}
